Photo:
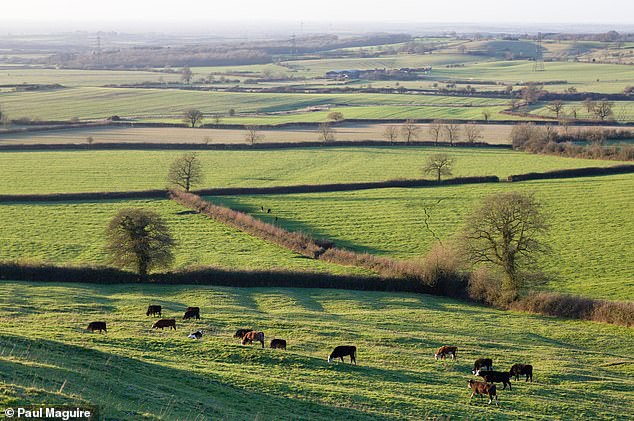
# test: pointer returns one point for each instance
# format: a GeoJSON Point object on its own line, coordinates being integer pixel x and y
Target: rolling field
{"type": "Point", "coordinates": [582, 370]}
{"type": "Point", "coordinates": [590, 220]}
{"type": "Point", "coordinates": [96, 103]}
{"type": "Point", "coordinates": [73, 233]}
{"type": "Point", "coordinates": [623, 110]}
{"type": "Point", "coordinates": [90, 171]}
{"type": "Point", "coordinates": [75, 78]}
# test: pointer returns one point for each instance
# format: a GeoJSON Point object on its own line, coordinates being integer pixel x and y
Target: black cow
{"type": "Point", "coordinates": [343, 351]}
{"type": "Point", "coordinates": [163, 323]}
{"type": "Point", "coordinates": [190, 314]}
{"type": "Point", "coordinates": [496, 377]}
{"type": "Point", "coordinates": [482, 388]}
{"type": "Point", "coordinates": [278, 343]}
{"type": "Point", "coordinates": [482, 363]}
{"type": "Point", "coordinates": [522, 370]}
{"type": "Point", "coordinates": [153, 310]}
{"type": "Point", "coordinates": [92, 326]}
{"type": "Point", "coordinates": [241, 332]}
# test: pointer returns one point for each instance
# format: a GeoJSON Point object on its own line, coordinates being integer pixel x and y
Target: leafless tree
{"type": "Point", "coordinates": [452, 131]}
{"type": "Point", "coordinates": [193, 117]}
{"type": "Point", "coordinates": [472, 132]}
{"type": "Point", "coordinates": [439, 165]}
{"type": "Point", "coordinates": [603, 109]}
{"type": "Point", "coordinates": [186, 75]}
{"type": "Point", "coordinates": [486, 115]}
{"type": "Point", "coordinates": [410, 131]}
{"type": "Point", "coordinates": [186, 171]}
{"type": "Point", "coordinates": [556, 107]}
{"type": "Point", "coordinates": [435, 129]}
{"type": "Point", "coordinates": [253, 134]}
{"type": "Point", "coordinates": [390, 133]}
{"type": "Point", "coordinates": [505, 231]}
{"type": "Point", "coordinates": [326, 133]}
{"type": "Point", "coordinates": [588, 104]}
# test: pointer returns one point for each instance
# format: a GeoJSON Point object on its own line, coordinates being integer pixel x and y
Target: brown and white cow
{"type": "Point", "coordinates": [445, 350]}
{"type": "Point", "coordinates": [252, 336]}
{"type": "Point", "coordinates": [482, 388]}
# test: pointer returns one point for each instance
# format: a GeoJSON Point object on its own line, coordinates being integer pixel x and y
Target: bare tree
{"type": "Point", "coordinates": [435, 129]}
{"type": "Point", "coordinates": [472, 132]}
{"type": "Point", "coordinates": [326, 133]}
{"type": "Point", "coordinates": [253, 134]}
{"type": "Point", "coordinates": [391, 133]}
{"type": "Point", "coordinates": [410, 131]}
{"type": "Point", "coordinates": [531, 93]}
{"type": "Point", "coordinates": [186, 75]}
{"type": "Point", "coordinates": [603, 109]}
{"type": "Point", "coordinates": [186, 171]}
{"type": "Point", "coordinates": [486, 115]}
{"type": "Point", "coordinates": [452, 131]}
{"type": "Point", "coordinates": [556, 107]}
{"type": "Point", "coordinates": [588, 104]}
{"type": "Point", "coordinates": [139, 239]}
{"type": "Point", "coordinates": [439, 165]}
{"type": "Point", "coordinates": [193, 117]}
{"type": "Point", "coordinates": [505, 231]}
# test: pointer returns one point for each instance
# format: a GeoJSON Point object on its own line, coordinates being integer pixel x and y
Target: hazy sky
{"type": "Point", "coordinates": [489, 11]}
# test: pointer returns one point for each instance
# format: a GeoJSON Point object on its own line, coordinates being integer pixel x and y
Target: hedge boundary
{"type": "Point", "coordinates": [574, 173]}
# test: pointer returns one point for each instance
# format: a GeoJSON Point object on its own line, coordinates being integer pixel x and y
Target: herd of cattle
{"type": "Point", "coordinates": [483, 367]}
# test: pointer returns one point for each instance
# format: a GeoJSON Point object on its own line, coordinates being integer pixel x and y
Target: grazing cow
{"type": "Point", "coordinates": [196, 335]}
{"type": "Point", "coordinates": [268, 210]}
{"type": "Point", "coordinates": [482, 388]}
{"type": "Point", "coordinates": [278, 343]}
{"type": "Point", "coordinates": [522, 370]}
{"type": "Point", "coordinates": [241, 332]}
{"type": "Point", "coordinates": [262, 208]}
{"type": "Point", "coordinates": [153, 310]}
{"type": "Point", "coordinates": [496, 377]}
{"type": "Point", "coordinates": [252, 336]}
{"type": "Point", "coordinates": [190, 314]}
{"type": "Point", "coordinates": [92, 326]}
{"type": "Point", "coordinates": [445, 350]}
{"type": "Point", "coordinates": [480, 363]}
{"type": "Point", "coordinates": [343, 351]}
{"type": "Point", "coordinates": [196, 309]}
{"type": "Point", "coordinates": [163, 323]}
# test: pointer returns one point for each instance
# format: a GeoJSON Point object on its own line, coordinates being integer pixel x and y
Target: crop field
{"type": "Point", "coordinates": [608, 78]}
{"type": "Point", "coordinates": [95, 103]}
{"type": "Point", "coordinates": [589, 218]}
{"type": "Point", "coordinates": [134, 372]}
{"type": "Point", "coordinates": [491, 133]}
{"type": "Point", "coordinates": [74, 233]}
{"type": "Point", "coordinates": [89, 171]}
{"type": "Point", "coordinates": [76, 78]}
{"type": "Point", "coordinates": [623, 111]}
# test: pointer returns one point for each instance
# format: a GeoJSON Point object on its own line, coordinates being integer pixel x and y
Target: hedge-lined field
{"type": "Point", "coordinates": [623, 111]}
{"type": "Point", "coordinates": [85, 171]}
{"type": "Point", "coordinates": [93, 102]}
{"type": "Point", "coordinates": [74, 233]}
{"type": "Point", "coordinates": [590, 221]}
{"type": "Point", "coordinates": [581, 369]}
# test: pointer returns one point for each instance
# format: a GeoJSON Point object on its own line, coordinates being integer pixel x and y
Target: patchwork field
{"type": "Point", "coordinates": [73, 233]}
{"type": "Point", "coordinates": [589, 218]}
{"type": "Point", "coordinates": [133, 372]}
{"type": "Point", "coordinates": [85, 171]}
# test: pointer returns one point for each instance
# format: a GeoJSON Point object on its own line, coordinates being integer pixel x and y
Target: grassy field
{"type": "Point", "coordinates": [623, 111]}
{"type": "Point", "coordinates": [73, 233]}
{"type": "Point", "coordinates": [75, 78]}
{"type": "Point", "coordinates": [582, 370]}
{"type": "Point", "coordinates": [82, 171]}
{"type": "Point", "coordinates": [93, 103]}
{"type": "Point", "coordinates": [589, 218]}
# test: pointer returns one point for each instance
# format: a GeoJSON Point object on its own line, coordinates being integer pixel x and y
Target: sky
{"type": "Point", "coordinates": [479, 11]}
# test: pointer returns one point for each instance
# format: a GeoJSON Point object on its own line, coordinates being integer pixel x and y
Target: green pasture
{"type": "Point", "coordinates": [90, 171]}
{"type": "Point", "coordinates": [74, 233]}
{"type": "Point", "coordinates": [590, 218]}
{"type": "Point", "coordinates": [582, 370]}
{"type": "Point", "coordinates": [623, 111]}
{"type": "Point", "coordinates": [76, 78]}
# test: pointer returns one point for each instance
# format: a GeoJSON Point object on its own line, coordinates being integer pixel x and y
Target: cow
{"type": "Point", "coordinates": [196, 335]}
{"type": "Point", "coordinates": [153, 310]}
{"type": "Point", "coordinates": [190, 314]}
{"type": "Point", "coordinates": [196, 309]}
{"type": "Point", "coordinates": [444, 350]}
{"type": "Point", "coordinates": [343, 351]}
{"type": "Point", "coordinates": [482, 388]}
{"type": "Point", "coordinates": [480, 363]}
{"type": "Point", "coordinates": [278, 344]}
{"type": "Point", "coordinates": [92, 326]}
{"type": "Point", "coordinates": [241, 332]}
{"type": "Point", "coordinates": [522, 370]}
{"type": "Point", "coordinates": [496, 377]}
{"type": "Point", "coordinates": [253, 336]}
{"type": "Point", "coordinates": [162, 323]}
